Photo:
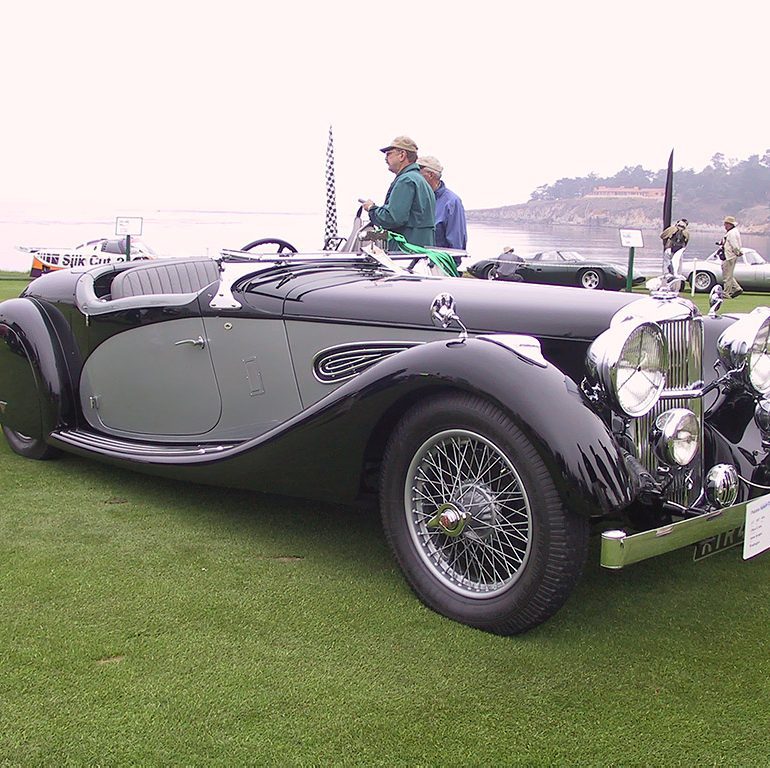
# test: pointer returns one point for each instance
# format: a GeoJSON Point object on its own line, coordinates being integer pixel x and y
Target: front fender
{"type": "Point", "coordinates": [331, 438]}
{"type": "Point", "coordinates": [32, 375]}
{"type": "Point", "coordinates": [585, 461]}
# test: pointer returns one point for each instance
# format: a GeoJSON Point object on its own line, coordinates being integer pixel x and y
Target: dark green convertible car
{"type": "Point", "coordinates": [554, 268]}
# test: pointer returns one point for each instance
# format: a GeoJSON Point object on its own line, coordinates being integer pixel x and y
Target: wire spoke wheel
{"type": "Point", "coordinates": [468, 513]}
{"type": "Point", "coordinates": [473, 516]}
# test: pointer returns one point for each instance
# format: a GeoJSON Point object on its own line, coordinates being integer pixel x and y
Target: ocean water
{"type": "Point", "coordinates": [170, 233]}
{"type": "Point", "coordinates": [180, 233]}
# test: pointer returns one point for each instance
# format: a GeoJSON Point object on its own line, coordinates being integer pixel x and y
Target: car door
{"type": "Point", "coordinates": [150, 374]}
{"type": "Point", "coordinates": [543, 270]}
{"type": "Point", "coordinates": [751, 271]}
{"type": "Point", "coordinates": [507, 269]}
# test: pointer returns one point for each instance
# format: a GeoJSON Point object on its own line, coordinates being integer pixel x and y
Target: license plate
{"type": "Point", "coordinates": [719, 543]}
{"type": "Point", "coordinates": [754, 534]}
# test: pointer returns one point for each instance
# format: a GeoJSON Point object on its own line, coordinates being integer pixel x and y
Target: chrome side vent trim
{"type": "Point", "coordinates": [346, 361]}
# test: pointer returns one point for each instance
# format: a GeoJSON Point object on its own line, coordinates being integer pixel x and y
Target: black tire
{"type": "Point", "coordinates": [591, 279]}
{"type": "Point", "coordinates": [29, 447]}
{"type": "Point", "coordinates": [704, 281]}
{"type": "Point", "coordinates": [490, 272]}
{"type": "Point", "coordinates": [515, 560]}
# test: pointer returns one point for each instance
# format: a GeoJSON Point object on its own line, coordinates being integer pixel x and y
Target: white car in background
{"type": "Point", "coordinates": [90, 254]}
{"type": "Point", "coordinates": [751, 271]}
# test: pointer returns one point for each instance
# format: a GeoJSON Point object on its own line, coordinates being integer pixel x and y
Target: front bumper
{"type": "Point", "coordinates": [620, 549]}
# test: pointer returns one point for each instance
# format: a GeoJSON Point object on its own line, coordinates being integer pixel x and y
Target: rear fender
{"type": "Point", "coordinates": [32, 376]}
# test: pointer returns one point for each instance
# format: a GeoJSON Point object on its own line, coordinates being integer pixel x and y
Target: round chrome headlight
{"type": "Point", "coordinates": [629, 363]}
{"type": "Point", "coordinates": [745, 345]}
{"type": "Point", "coordinates": [759, 359]}
{"type": "Point", "coordinates": [675, 437]}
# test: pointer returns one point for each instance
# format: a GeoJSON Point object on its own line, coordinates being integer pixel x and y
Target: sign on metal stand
{"type": "Point", "coordinates": [128, 225]}
{"type": "Point", "coordinates": [631, 238]}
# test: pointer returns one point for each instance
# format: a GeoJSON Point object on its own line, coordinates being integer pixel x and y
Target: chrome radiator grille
{"type": "Point", "coordinates": [685, 345]}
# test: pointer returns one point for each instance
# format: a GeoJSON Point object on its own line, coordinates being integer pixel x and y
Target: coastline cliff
{"type": "Point", "coordinates": [621, 212]}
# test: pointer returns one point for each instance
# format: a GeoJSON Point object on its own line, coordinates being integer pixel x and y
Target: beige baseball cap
{"type": "Point", "coordinates": [431, 163]}
{"type": "Point", "coordinates": [401, 142]}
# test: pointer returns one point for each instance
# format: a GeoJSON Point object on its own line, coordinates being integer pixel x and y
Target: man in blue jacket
{"type": "Point", "coordinates": [410, 205]}
{"type": "Point", "coordinates": [451, 230]}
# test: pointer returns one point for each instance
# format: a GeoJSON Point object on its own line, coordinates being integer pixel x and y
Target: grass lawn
{"type": "Point", "coordinates": [150, 622]}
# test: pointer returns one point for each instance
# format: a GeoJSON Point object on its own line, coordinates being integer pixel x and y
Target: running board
{"type": "Point", "coordinates": [112, 446]}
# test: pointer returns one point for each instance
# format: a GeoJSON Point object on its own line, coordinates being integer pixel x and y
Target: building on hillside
{"type": "Point", "coordinates": [648, 193]}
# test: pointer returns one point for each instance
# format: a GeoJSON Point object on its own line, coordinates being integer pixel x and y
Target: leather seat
{"type": "Point", "coordinates": [182, 276]}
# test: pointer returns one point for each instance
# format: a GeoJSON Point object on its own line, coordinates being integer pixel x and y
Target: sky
{"type": "Point", "coordinates": [227, 105]}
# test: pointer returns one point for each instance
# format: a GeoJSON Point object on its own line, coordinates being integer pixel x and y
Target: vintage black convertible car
{"type": "Point", "coordinates": [554, 267]}
{"type": "Point", "coordinates": [498, 424]}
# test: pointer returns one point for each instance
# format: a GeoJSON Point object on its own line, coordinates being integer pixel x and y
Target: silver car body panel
{"type": "Point", "coordinates": [144, 366]}
{"type": "Point", "coordinates": [254, 374]}
{"type": "Point", "coordinates": [172, 365]}
{"type": "Point", "coordinates": [309, 339]}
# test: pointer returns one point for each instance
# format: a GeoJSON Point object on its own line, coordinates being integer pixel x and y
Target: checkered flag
{"type": "Point", "coordinates": [330, 232]}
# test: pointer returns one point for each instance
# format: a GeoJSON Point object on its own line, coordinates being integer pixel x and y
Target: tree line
{"type": "Point", "coordinates": [736, 184]}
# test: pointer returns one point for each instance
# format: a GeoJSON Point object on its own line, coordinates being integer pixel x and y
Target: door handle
{"type": "Point", "coordinates": [199, 342]}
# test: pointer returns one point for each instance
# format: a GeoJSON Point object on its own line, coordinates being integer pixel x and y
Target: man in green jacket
{"type": "Point", "coordinates": [410, 205]}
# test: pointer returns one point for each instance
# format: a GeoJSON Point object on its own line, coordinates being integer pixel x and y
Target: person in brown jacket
{"type": "Point", "coordinates": [675, 239]}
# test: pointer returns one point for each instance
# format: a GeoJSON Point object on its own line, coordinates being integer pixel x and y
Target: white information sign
{"type": "Point", "coordinates": [631, 238]}
{"type": "Point", "coordinates": [757, 537]}
{"type": "Point", "coordinates": [128, 225]}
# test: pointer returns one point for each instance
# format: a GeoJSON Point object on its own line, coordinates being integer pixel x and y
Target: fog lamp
{"type": "Point", "coordinates": [762, 415]}
{"type": "Point", "coordinates": [675, 437]}
{"type": "Point", "coordinates": [762, 420]}
{"type": "Point", "coordinates": [722, 485]}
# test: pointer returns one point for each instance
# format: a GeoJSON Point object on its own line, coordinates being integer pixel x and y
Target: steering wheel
{"type": "Point", "coordinates": [283, 246]}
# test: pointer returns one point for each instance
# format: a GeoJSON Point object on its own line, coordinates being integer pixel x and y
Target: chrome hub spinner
{"type": "Point", "coordinates": [474, 513]}
{"type": "Point", "coordinates": [450, 518]}
{"type": "Point", "coordinates": [479, 501]}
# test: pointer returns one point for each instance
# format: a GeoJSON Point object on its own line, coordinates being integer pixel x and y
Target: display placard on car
{"type": "Point", "coordinates": [757, 538]}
